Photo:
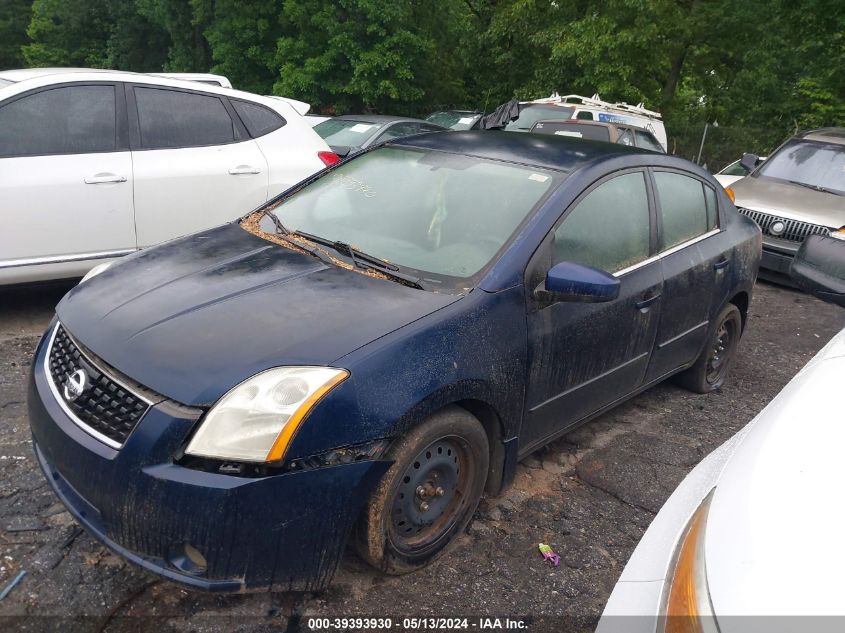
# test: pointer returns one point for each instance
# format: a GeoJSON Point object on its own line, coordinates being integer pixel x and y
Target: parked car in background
{"type": "Point", "coordinates": [456, 119]}
{"type": "Point", "coordinates": [351, 133]}
{"type": "Point", "coordinates": [226, 409]}
{"type": "Point", "coordinates": [798, 191]}
{"type": "Point", "coordinates": [753, 530]}
{"type": "Point", "coordinates": [594, 109]}
{"type": "Point", "coordinates": [598, 131]}
{"type": "Point", "coordinates": [733, 172]}
{"type": "Point", "coordinates": [203, 78]}
{"type": "Point", "coordinates": [98, 164]}
{"type": "Point", "coordinates": [314, 119]}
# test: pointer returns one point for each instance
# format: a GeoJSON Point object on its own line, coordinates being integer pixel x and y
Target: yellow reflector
{"type": "Point", "coordinates": [289, 430]}
{"type": "Point", "coordinates": [731, 194]}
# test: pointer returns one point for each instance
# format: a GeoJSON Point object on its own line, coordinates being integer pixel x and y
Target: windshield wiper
{"type": "Point", "coordinates": [362, 260]}
{"type": "Point", "coordinates": [290, 237]}
{"type": "Point", "coordinates": [816, 187]}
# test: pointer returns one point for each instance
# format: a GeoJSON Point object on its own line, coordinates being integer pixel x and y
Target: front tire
{"type": "Point", "coordinates": [428, 495]}
{"type": "Point", "coordinates": [711, 367]}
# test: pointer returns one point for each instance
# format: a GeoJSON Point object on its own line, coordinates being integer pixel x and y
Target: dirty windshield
{"type": "Point", "coordinates": [812, 164]}
{"type": "Point", "coordinates": [346, 133]}
{"type": "Point", "coordinates": [428, 211]}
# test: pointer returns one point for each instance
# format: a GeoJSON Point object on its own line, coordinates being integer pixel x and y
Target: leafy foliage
{"type": "Point", "coordinates": [760, 69]}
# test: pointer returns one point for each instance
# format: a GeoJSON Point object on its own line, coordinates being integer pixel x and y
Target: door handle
{"type": "Point", "coordinates": [646, 303]}
{"type": "Point", "coordinates": [99, 179]}
{"type": "Point", "coordinates": [721, 264]}
{"type": "Point", "coordinates": [244, 169]}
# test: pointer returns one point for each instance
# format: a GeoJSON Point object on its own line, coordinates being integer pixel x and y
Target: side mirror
{"type": "Point", "coordinates": [749, 162]}
{"type": "Point", "coordinates": [568, 281]}
{"type": "Point", "coordinates": [819, 268]}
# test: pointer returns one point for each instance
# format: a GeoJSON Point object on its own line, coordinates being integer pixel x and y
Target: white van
{"type": "Point", "coordinates": [594, 109]}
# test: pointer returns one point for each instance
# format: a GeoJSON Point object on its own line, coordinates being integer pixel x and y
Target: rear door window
{"type": "Point", "coordinates": [170, 118]}
{"type": "Point", "coordinates": [66, 120]}
{"type": "Point", "coordinates": [609, 229]}
{"type": "Point", "coordinates": [683, 208]}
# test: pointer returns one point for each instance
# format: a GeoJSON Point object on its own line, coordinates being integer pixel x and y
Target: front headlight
{"type": "Point", "coordinates": [688, 608]}
{"type": "Point", "coordinates": [255, 421]}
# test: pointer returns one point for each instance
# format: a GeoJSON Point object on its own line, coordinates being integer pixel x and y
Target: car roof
{"type": "Point", "coordinates": [22, 74]}
{"type": "Point", "coordinates": [826, 134]}
{"type": "Point", "coordinates": [561, 153]}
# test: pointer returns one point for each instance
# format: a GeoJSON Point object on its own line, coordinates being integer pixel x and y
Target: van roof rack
{"type": "Point", "coordinates": [596, 102]}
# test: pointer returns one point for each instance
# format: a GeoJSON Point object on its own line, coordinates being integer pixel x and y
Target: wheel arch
{"type": "Point", "coordinates": [471, 398]}
{"type": "Point", "coordinates": [741, 300]}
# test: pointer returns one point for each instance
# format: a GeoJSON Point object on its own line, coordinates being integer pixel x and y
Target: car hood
{"type": "Point", "coordinates": [774, 529]}
{"type": "Point", "coordinates": [194, 317]}
{"type": "Point", "coordinates": [790, 201]}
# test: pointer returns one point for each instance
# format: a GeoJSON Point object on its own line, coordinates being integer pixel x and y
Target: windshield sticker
{"type": "Point", "coordinates": [566, 133]}
{"type": "Point", "coordinates": [360, 127]}
{"type": "Point", "coordinates": [465, 120]}
{"type": "Point", "coordinates": [351, 183]}
{"type": "Point", "coordinates": [538, 177]}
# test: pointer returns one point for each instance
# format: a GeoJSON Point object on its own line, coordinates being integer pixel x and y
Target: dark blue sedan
{"type": "Point", "coordinates": [371, 351]}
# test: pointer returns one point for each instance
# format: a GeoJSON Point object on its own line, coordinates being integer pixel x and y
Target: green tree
{"type": "Point", "coordinates": [14, 20]}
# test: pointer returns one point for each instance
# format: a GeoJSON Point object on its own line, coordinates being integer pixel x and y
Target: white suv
{"type": "Point", "coordinates": [97, 164]}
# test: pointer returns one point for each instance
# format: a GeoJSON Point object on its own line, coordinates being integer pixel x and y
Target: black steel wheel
{"type": "Point", "coordinates": [711, 367]}
{"type": "Point", "coordinates": [429, 494]}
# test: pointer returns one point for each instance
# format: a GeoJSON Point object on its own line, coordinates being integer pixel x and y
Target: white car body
{"type": "Point", "coordinates": [63, 213]}
{"type": "Point", "coordinates": [772, 537]}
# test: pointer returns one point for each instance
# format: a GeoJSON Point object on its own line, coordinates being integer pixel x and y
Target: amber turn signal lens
{"type": "Point", "coordinates": [731, 194]}
{"type": "Point", "coordinates": [688, 603]}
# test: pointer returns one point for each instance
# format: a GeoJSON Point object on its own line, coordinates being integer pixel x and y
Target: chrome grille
{"type": "Point", "coordinates": [105, 408]}
{"type": "Point", "coordinates": [794, 230]}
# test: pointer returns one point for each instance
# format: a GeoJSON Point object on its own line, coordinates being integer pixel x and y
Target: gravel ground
{"type": "Point", "coordinates": [591, 495]}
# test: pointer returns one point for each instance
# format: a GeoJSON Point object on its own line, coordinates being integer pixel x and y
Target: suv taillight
{"type": "Point", "coordinates": [328, 158]}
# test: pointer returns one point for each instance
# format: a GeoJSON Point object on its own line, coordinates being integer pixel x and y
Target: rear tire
{"type": "Point", "coordinates": [711, 367]}
{"type": "Point", "coordinates": [429, 494]}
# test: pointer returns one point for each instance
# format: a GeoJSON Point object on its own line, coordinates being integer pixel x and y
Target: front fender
{"type": "Point", "coordinates": [472, 349]}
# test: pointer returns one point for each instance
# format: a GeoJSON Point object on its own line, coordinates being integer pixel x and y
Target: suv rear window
{"type": "Point", "coordinates": [578, 130]}
{"type": "Point", "coordinates": [530, 114]}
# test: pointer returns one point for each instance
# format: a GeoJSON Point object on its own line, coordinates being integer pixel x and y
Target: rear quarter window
{"type": "Point", "coordinates": [258, 119]}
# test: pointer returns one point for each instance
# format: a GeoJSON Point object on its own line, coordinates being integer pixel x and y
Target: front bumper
{"type": "Point", "coordinates": [282, 532]}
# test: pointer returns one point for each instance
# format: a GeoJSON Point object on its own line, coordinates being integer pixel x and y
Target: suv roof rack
{"type": "Point", "coordinates": [596, 102]}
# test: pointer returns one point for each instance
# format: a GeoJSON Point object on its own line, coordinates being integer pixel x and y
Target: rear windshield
{"type": "Point", "coordinates": [811, 164]}
{"type": "Point", "coordinates": [346, 132]}
{"type": "Point", "coordinates": [592, 132]}
{"type": "Point", "coordinates": [454, 120]}
{"type": "Point", "coordinates": [530, 114]}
